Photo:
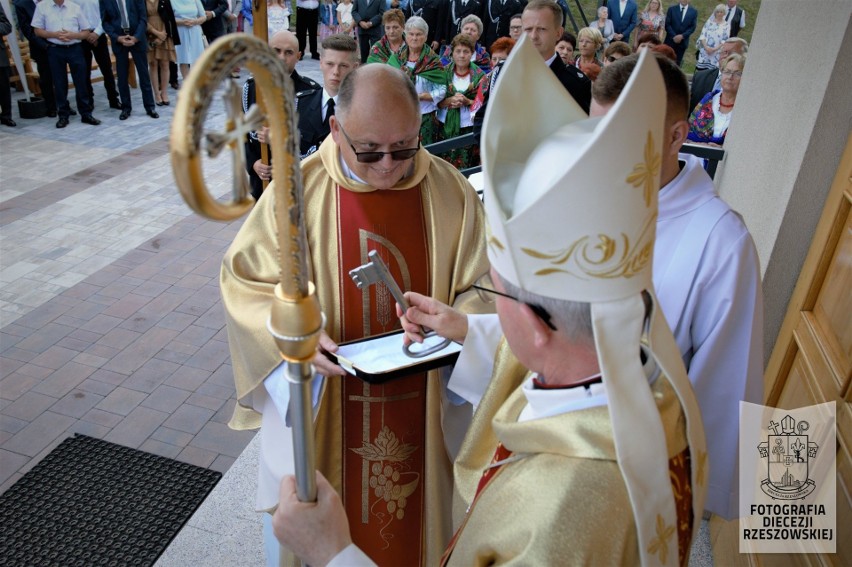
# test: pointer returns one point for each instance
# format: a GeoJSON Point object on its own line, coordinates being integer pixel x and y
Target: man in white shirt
{"type": "Point", "coordinates": [735, 16]}
{"type": "Point", "coordinates": [63, 24]}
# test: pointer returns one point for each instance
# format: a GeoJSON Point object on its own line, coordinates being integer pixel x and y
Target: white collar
{"type": "Point", "coordinates": [547, 403]}
{"type": "Point", "coordinates": [347, 171]}
{"type": "Point", "coordinates": [549, 62]}
{"type": "Point", "coordinates": [690, 189]}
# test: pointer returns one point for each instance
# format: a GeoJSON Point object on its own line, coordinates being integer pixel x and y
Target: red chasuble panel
{"type": "Point", "coordinates": [384, 438]}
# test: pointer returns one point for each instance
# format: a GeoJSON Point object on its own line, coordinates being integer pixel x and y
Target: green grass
{"type": "Point", "coordinates": [704, 7]}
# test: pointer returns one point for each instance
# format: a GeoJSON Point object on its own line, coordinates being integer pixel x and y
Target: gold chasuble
{"type": "Point", "coordinates": [563, 478]}
{"type": "Point", "coordinates": [381, 446]}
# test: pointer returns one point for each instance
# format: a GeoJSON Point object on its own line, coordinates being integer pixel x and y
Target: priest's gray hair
{"type": "Point", "coordinates": [417, 23]}
{"type": "Point", "coordinates": [571, 318]}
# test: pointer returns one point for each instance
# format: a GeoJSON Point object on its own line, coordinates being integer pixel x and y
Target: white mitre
{"type": "Point", "coordinates": [571, 203]}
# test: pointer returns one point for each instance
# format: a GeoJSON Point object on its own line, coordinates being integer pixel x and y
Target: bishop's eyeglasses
{"type": "Point", "coordinates": [484, 287]}
{"type": "Point", "coordinates": [373, 157]}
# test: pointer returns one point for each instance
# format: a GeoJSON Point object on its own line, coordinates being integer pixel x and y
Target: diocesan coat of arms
{"type": "Point", "coordinates": [787, 453]}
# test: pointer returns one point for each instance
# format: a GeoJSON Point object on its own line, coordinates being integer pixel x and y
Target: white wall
{"type": "Point", "coordinates": [792, 120]}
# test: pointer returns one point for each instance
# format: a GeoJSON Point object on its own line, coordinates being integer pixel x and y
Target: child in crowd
{"type": "Point", "coordinates": [278, 16]}
{"type": "Point", "coordinates": [328, 19]}
{"type": "Point", "coordinates": [344, 17]}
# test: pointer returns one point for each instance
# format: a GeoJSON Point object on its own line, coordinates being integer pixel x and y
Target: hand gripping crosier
{"type": "Point", "coordinates": [295, 321]}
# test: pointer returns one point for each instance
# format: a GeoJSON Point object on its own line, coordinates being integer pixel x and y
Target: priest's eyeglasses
{"type": "Point", "coordinates": [484, 287]}
{"type": "Point", "coordinates": [373, 157]}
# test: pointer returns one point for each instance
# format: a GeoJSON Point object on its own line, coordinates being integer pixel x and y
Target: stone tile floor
{"type": "Point", "coordinates": [110, 318]}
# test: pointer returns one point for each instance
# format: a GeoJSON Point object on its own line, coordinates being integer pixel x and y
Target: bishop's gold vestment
{"type": "Point", "coordinates": [564, 502]}
{"type": "Point", "coordinates": [454, 232]}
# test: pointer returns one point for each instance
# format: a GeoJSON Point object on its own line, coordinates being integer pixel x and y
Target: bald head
{"type": "Point", "coordinates": [380, 87]}
{"type": "Point", "coordinates": [286, 48]}
{"type": "Point", "coordinates": [377, 112]}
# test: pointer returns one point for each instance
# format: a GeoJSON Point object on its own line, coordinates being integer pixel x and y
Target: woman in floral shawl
{"type": "Point", "coordinates": [471, 26]}
{"type": "Point", "coordinates": [423, 67]}
{"type": "Point", "coordinates": [462, 80]}
{"type": "Point", "coordinates": [709, 121]}
{"type": "Point", "coordinates": [393, 40]}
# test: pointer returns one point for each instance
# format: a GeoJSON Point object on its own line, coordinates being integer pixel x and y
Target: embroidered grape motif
{"type": "Point", "coordinates": [383, 481]}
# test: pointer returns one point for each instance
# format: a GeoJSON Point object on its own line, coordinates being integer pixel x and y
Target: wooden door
{"type": "Point", "coordinates": [812, 359]}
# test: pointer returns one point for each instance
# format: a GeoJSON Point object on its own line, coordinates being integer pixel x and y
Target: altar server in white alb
{"type": "Point", "coordinates": [707, 278]}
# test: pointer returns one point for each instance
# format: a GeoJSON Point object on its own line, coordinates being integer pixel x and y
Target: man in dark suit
{"type": "Point", "coordinates": [708, 80]}
{"type": "Point", "coordinates": [5, 92]}
{"type": "Point", "coordinates": [339, 57]}
{"type": "Point", "coordinates": [735, 17]}
{"type": "Point", "coordinates": [24, 10]}
{"type": "Point", "coordinates": [681, 20]}
{"type": "Point", "coordinates": [624, 16]}
{"type": "Point", "coordinates": [541, 20]}
{"type": "Point", "coordinates": [214, 27]}
{"type": "Point", "coordinates": [435, 14]}
{"type": "Point", "coordinates": [496, 18]}
{"type": "Point", "coordinates": [367, 15]}
{"type": "Point", "coordinates": [125, 22]}
{"type": "Point", "coordinates": [96, 47]}
{"type": "Point", "coordinates": [458, 11]}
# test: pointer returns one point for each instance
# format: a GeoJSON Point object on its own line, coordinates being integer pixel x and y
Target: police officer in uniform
{"type": "Point", "coordinates": [287, 48]}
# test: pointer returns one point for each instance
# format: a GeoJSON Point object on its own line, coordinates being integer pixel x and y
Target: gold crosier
{"type": "Point", "coordinates": [296, 320]}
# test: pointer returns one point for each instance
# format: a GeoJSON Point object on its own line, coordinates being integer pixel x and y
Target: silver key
{"type": "Point", "coordinates": [376, 271]}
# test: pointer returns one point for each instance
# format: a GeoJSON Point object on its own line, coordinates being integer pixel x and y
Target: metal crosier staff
{"type": "Point", "coordinates": [295, 321]}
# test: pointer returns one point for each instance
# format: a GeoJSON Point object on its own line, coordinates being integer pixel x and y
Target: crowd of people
{"type": "Point", "coordinates": [459, 453]}
{"type": "Point", "coordinates": [419, 36]}
{"type": "Point", "coordinates": [365, 169]}
{"type": "Point", "coordinates": [161, 36]}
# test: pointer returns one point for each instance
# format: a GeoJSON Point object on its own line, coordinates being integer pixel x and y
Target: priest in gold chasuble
{"type": "Point", "coordinates": [381, 446]}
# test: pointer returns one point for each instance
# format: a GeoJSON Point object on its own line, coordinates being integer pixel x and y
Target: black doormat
{"type": "Point", "coordinates": [90, 502]}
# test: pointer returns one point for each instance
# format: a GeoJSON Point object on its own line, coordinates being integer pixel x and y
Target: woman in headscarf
{"type": "Point", "coordinates": [393, 40]}
{"type": "Point", "coordinates": [471, 26]}
{"type": "Point", "coordinates": [462, 80]}
{"type": "Point", "coordinates": [423, 66]}
{"type": "Point", "coordinates": [716, 30]}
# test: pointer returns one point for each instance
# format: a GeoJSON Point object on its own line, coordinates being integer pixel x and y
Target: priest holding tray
{"type": "Point", "coordinates": [369, 187]}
